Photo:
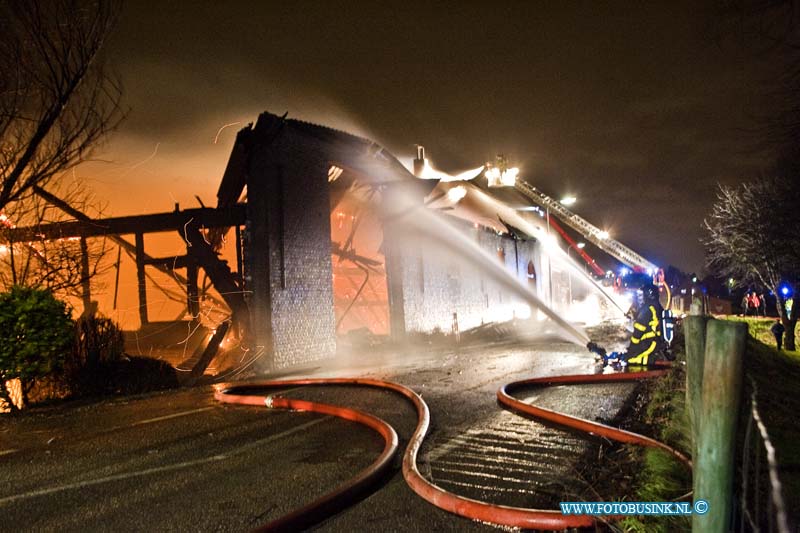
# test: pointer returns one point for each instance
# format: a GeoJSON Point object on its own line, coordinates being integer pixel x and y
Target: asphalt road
{"type": "Point", "coordinates": [179, 461]}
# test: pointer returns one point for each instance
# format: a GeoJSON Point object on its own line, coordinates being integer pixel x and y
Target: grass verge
{"type": "Point", "coordinates": [776, 376]}
{"type": "Point", "coordinates": [662, 477]}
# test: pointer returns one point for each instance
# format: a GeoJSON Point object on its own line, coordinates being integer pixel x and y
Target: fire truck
{"type": "Point", "coordinates": [637, 270]}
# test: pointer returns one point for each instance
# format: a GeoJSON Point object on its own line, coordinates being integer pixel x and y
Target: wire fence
{"type": "Point", "coordinates": [761, 505]}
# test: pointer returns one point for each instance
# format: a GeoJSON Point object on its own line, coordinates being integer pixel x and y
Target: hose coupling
{"type": "Point", "coordinates": [268, 401]}
{"type": "Point", "coordinates": [594, 348]}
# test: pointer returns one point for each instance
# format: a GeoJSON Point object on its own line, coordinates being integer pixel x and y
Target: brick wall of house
{"type": "Point", "coordinates": [289, 258]}
{"type": "Point", "coordinates": [438, 283]}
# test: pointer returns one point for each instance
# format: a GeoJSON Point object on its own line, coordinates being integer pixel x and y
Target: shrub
{"type": "Point", "coordinates": [98, 340]}
{"type": "Point", "coordinates": [134, 375]}
{"type": "Point", "coordinates": [36, 334]}
{"type": "Point", "coordinates": [98, 346]}
{"type": "Point", "coordinates": [98, 364]}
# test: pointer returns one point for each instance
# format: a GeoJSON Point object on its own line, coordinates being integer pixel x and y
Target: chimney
{"type": "Point", "coordinates": [419, 162]}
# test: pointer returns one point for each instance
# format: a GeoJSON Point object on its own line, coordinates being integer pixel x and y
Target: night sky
{"type": "Point", "coordinates": [635, 109]}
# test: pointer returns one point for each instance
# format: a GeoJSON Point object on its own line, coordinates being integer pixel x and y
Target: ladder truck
{"type": "Point", "coordinates": [604, 242]}
{"type": "Point", "coordinates": [590, 232]}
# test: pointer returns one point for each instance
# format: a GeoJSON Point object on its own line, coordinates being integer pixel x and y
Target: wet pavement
{"type": "Point", "coordinates": [178, 461]}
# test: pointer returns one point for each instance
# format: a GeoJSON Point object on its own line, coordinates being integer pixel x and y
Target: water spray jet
{"type": "Point", "coordinates": [551, 247]}
{"type": "Point", "coordinates": [418, 218]}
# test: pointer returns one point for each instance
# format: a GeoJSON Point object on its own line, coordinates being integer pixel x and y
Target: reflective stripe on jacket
{"type": "Point", "coordinates": [646, 333]}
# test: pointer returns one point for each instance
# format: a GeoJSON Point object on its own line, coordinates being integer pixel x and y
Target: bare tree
{"type": "Point", "coordinates": [753, 236]}
{"type": "Point", "coordinates": [56, 99]}
{"type": "Point", "coordinates": [65, 266]}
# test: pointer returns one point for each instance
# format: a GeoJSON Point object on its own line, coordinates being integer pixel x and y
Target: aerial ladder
{"type": "Point", "coordinates": [602, 240]}
{"type": "Point", "coordinates": [572, 244]}
{"type": "Point", "coordinates": [590, 232]}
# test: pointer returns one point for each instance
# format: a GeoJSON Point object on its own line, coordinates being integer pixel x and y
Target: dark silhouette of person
{"type": "Point", "coordinates": [777, 330]}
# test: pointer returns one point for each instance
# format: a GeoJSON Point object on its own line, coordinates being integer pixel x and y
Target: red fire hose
{"type": "Point", "coordinates": [466, 507]}
{"type": "Point", "coordinates": [620, 435]}
{"type": "Point", "coordinates": [332, 502]}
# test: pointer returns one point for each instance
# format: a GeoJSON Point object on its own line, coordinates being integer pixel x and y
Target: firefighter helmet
{"type": "Point", "coordinates": [649, 293]}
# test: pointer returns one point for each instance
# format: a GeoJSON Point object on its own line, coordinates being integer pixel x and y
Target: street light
{"type": "Point", "coordinates": [579, 245]}
{"type": "Point", "coordinates": [568, 200]}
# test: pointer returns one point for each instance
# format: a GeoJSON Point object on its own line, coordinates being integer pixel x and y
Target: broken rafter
{"type": "Point", "coordinates": [160, 222]}
{"type": "Point", "coordinates": [355, 258]}
{"type": "Point", "coordinates": [164, 266]}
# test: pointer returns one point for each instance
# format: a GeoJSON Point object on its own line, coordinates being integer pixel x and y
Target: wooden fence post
{"type": "Point", "coordinates": [694, 330]}
{"type": "Point", "coordinates": [716, 442]}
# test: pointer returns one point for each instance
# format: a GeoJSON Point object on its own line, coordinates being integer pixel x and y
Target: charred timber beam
{"type": "Point", "coordinates": [160, 222]}
{"type": "Point", "coordinates": [200, 251]}
{"type": "Point", "coordinates": [354, 257]}
{"type": "Point", "coordinates": [207, 354]}
{"type": "Point", "coordinates": [140, 279]}
{"type": "Point", "coordinates": [168, 263]}
{"type": "Point", "coordinates": [86, 286]}
{"type": "Point", "coordinates": [130, 248]}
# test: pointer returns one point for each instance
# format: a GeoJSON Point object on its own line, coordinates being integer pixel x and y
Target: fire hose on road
{"type": "Point", "coordinates": [334, 501]}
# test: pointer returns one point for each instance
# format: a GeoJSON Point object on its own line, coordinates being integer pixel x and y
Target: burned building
{"type": "Point", "coordinates": [326, 249]}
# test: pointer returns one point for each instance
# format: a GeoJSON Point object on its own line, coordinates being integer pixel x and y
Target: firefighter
{"type": "Point", "coordinates": [646, 338]}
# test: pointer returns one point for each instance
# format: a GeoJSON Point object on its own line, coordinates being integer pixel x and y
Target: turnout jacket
{"type": "Point", "coordinates": [646, 336]}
